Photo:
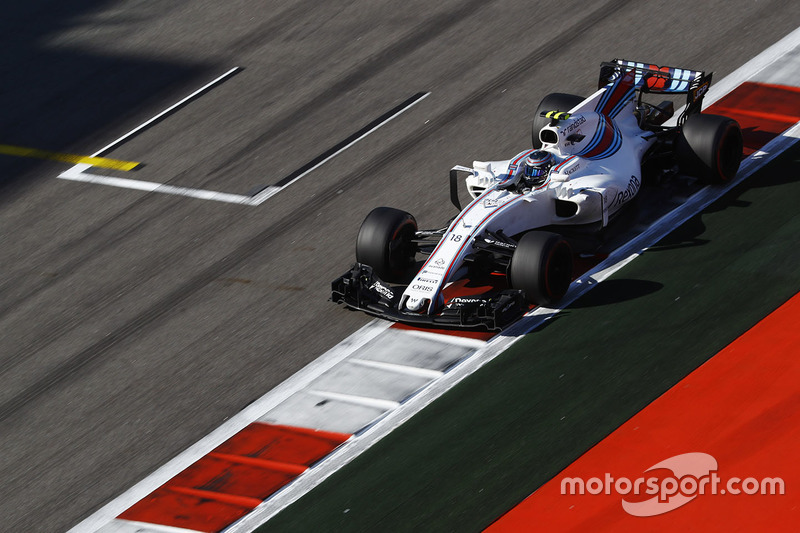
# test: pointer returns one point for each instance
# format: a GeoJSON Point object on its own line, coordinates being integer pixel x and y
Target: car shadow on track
{"type": "Point", "coordinates": [609, 292]}
{"type": "Point", "coordinates": [614, 291]}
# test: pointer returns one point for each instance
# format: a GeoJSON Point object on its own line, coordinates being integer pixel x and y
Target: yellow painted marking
{"type": "Point", "coordinates": [103, 162]}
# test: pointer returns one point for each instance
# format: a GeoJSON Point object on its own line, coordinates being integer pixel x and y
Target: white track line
{"type": "Point", "coordinates": [271, 191]}
{"type": "Point", "coordinates": [78, 172]}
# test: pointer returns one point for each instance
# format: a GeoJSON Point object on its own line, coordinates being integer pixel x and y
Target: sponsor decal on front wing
{"type": "Point", "coordinates": [383, 290]}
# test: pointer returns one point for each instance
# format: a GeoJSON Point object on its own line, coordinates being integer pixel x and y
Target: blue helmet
{"type": "Point", "coordinates": [537, 165]}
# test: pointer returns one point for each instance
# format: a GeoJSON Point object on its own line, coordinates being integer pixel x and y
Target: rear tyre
{"type": "Point", "coordinates": [385, 242]}
{"type": "Point", "coordinates": [551, 102]}
{"type": "Point", "coordinates": [709, 147]}
{"type": "Point", "coordinates": [541, 267]}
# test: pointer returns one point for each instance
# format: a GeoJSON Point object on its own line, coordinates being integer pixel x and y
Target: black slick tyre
{"type": "Point", "coordinates": [385, 242]}
{"type": "Point", "coordinates": [709, 147]}
{"type": "Point", "coordinates": [541, 267]}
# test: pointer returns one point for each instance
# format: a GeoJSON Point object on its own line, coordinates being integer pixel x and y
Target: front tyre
{"type": "Point", "coordinates": [709, 147]}
{"type": "Point", "coordinates": [385, 242]}
{"type": "Point", "coordinates": [541, 267]}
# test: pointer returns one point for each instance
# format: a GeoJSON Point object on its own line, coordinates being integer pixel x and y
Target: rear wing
{"type": "Point", "coordinates": [651, 78]}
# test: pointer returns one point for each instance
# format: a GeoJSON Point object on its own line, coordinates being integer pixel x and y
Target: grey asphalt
{"type": "Point", "coordinates": [131, 323]}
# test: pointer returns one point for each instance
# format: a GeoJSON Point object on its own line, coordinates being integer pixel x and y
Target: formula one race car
{"type": "Point", "coordinates": [510, 248]}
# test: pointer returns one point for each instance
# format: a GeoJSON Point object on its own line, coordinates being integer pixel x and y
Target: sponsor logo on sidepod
{"type": "Point", "coordinates": [629, 193]}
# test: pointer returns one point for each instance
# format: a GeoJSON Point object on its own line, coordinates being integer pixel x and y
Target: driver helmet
{"type": "Point", "coordinates": [537, 165]}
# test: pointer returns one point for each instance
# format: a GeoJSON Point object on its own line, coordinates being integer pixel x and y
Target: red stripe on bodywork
{"type": "Point", "coordinates": [618, 92]}
{"type": "Point", "coordinates": [606, 140]}
{"type": "Point", "coordinates": [564, 163]}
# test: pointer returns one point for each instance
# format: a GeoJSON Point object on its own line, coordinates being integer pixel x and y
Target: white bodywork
{"type": "Point", "coordinates": [598, 184]}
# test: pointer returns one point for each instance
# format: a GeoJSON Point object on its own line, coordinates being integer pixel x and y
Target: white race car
{"type": "Point", "coordinates": [509, 249]}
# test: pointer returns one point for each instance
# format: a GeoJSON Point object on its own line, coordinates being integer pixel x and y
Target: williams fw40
{"type": "Point", "coordinates": [514, 245]}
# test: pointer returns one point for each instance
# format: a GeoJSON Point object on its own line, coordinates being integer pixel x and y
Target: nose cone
{"type": "Point", "coordinates": [413, 303]}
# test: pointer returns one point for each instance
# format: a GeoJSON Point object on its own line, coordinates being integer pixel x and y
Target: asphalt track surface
{"type": "Point", "coordinates": [134, 323]}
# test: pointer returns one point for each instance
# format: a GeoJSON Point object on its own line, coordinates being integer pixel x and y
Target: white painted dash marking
{"type": "Point", "coordinates": [455, 339]}
{"type": "Point", "coordinates": [129, 526]}
{"type": "Point", "coordinates": [386, 405]}
{"type": "Point", "coordinates": [400, 369]}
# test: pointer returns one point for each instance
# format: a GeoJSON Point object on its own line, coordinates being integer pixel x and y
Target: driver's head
{"type": "Point", "coordinates": [537, 165]}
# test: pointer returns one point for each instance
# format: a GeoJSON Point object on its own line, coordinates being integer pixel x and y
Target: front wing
{"type": "Point", "coordinates": [362, 290]}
